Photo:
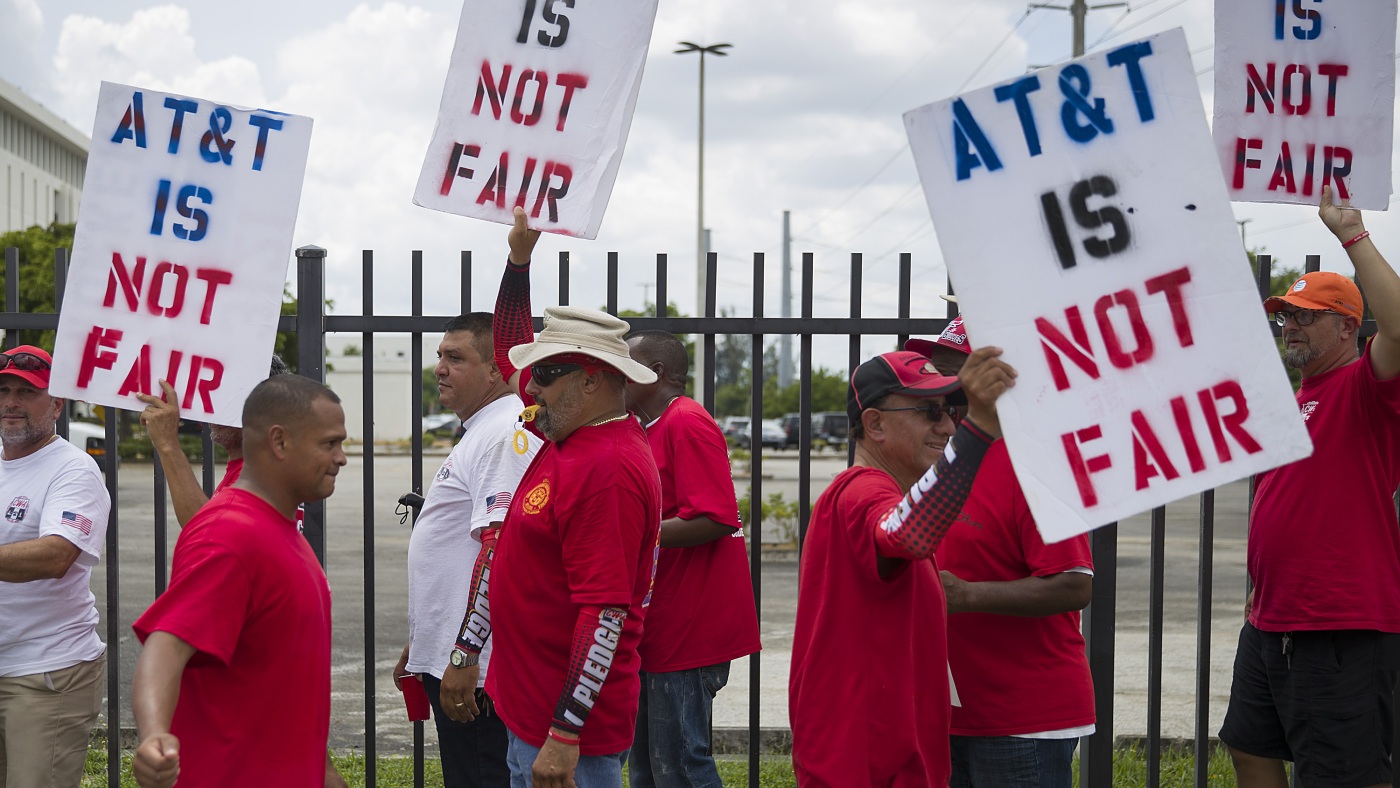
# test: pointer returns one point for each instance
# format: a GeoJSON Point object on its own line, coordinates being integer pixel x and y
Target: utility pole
{"type": "Point", "coordinates": [1078, 9]}
{"type": "Point", "coordinates": [785, 341]}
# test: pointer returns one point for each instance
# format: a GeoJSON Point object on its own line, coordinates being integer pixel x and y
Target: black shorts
{"type": "Point", "coordinates": [1328, 704]}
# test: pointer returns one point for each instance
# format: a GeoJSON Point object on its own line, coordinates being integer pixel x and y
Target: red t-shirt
{"type": "Point", "coordinates": [255, 699]}
{"type": "Point", "coordinates": [995, 539]}
{"type": "Point", "coordinates": [231, 473]}
{"type": "Point", "coordinates": [581, 530]}
{"type": "Point", "coordinates": [868, 696]}
{"type": "Point", "coordinates": [702, 609]}
{"type": "Point", "coordinates": [1324, 545]}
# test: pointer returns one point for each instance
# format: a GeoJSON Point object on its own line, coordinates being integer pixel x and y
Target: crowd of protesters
{"type": "Point", "coordinates": [579, 584]}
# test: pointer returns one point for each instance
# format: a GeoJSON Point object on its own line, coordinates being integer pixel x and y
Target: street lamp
{"type": "Point", "coordinates": [713, 49]}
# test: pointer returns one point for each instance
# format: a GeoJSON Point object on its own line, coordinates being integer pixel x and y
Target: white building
{"type": "Point", "coordinates": [394, 381]}
{"type": "Point", "coordinates": [42, 162]}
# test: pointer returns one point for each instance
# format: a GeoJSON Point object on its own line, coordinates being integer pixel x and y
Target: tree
{"type": "Point", "coordinates": [431, 402]}
{"type": "Point", "coordinates": [1280, 279]}
{"type": "Point", "coordinates": [672, 310]}
{"type": "Point", "coordinates": [36, 273]}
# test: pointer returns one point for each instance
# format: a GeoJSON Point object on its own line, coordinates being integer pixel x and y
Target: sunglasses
{"type": "Point", "coordinates": [545, 374]}
{"type": "Point", "coordinates": [1303, 317]}
{"type": "Point", "coordinates": [933, 411]}
{"type": "Point", "coordinates": [25, 362]}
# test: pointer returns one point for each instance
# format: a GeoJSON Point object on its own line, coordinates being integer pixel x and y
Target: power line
{"type": "Point", "coordinates": [1141, 22]}
{"type": "Point", "coordinates": [993, 53]}
{"type": "Point", "coordinates": [858, 190]}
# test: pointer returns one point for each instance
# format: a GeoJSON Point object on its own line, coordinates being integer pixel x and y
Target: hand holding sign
{"type": "Point", "coordinates": [522, 239]}
{"type": "Point", "coordinates": [985, 377]}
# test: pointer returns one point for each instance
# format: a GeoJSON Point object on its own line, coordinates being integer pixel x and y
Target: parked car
{"type": "Point", "coordinates": [91, 438]}
{"type": "Point", "coordinates": [833, 427]}
{"type": "Point", "coordinates": [434, 422]}
{"type": "Point", "coordinates": [733, 427]}
{"type": "Point", "coordinates": [792, 430]}
{"type": "Point", "coordinates": [771, 435]}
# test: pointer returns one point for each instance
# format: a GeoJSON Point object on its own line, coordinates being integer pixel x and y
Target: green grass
{"type": "Point", "coordinates": [1129, 770]}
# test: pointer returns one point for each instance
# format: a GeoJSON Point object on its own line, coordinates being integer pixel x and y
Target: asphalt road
{"type": "Point", "coordinates": [347, 569]}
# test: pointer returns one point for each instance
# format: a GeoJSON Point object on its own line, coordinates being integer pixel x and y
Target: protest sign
{"type": "Point", "coordinates": [1083, 221]}
{"type": "Point", "coordinates": [535, 112]}
{"type": "Point", "coordinates": [1305, 97]}
{"type": "Point", "coordinates": [181, 252]}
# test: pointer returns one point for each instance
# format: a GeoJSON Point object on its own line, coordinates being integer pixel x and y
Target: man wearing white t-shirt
{"type": "Point", "coordinates": [51, 659]}
{"type": "Point", "coordinates": [468, 497]}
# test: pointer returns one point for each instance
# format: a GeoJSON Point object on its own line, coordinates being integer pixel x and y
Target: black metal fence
{"type": "Point", "coordinates": [311, 324]}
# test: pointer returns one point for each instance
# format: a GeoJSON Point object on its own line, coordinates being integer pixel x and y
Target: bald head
{"type": "Point", "coordinates": [653, 346]}
{"type": "Point", "coordinates": [283, 399]}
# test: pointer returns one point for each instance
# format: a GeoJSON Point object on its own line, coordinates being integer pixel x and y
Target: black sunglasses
{"type": "Point", "coordinates": [545, 374]}
{"type": "Point", "coordinates": [25, 362]}
{"type": "Point", "coordinates": [1303, 317]}
{"type": "Point", "coordinates": [933, 411]}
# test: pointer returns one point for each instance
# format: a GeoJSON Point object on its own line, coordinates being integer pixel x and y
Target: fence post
{"type": "Point", "coordinates": [311, 361]}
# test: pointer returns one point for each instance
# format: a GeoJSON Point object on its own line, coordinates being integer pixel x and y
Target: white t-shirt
{"type": "Point", "coordinates": [472, 490]}
{"type": "Point", "coordinates": [48, 625]}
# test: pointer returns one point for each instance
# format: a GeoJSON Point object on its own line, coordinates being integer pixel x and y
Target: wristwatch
{"type": "Point", "coordinates": [461, 659]}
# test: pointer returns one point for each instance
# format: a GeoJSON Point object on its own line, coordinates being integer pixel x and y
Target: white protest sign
{"type": "Point", "coordinates": [1305, 97]}
{"type": "Point", "coordinates": [181, 252]}
{"type": "Point", "coordinates": [535, 112]}
{"type": "Point", "coordinates": [1083, 221]}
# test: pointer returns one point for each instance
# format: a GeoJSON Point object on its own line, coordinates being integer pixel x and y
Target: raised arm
{"type": "Point", "coordinates": [1378, 281]}
{"type": "Point", "coordinates": [511, 324]}
{"type": "Point", "coordinates": [161, 418]}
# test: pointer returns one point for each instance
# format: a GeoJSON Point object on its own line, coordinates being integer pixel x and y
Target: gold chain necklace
{"type": "Point", "coordinates": [607, 420]}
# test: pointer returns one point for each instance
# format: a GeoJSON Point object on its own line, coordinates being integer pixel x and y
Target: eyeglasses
{"type": "Point", "coordinates": [1303, 317]}
{"type": "Point", "coordinates": [933, 411]}
{"type": "Point", "coordinates": [545, 374]}
{"type": "Point", "coordinates": [25, 362]}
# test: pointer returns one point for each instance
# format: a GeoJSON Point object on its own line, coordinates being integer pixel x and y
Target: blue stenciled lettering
{"type": "Point", "coordinates": [220, 121]}
{"type": "Point", "coordinates": [965, 132]}
{"type": "Point", "coordinates": [200, 217]}
{"type": "Point", "coordinates": [180, 107]}
{"type": "Point", "coordinates": [133, 125]}
{"type": "Point", "coordinates": [1017, 92]}
{"type": "Point", "coordinates": [1075, 85]}
{"type": "Point", "coordinates": [264, 125]}
{"type": "Point", "coordinates": [1130, 57]}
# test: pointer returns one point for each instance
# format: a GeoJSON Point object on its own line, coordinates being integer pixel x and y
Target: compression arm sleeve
{"type": "Point", "coordinates": [476, 628]}
{"type": "Point", "coordinates": [596, 635]}
{"type": "Point", "coordinates": [511, 324]}
{"type": "Point", "coordinates": [917, 525]}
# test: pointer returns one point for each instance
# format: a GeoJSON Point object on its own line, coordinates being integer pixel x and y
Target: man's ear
{"type": "Point", "coordinates": [1350, 327]}
{"type": "Point", "coordinates": [873, 422]}
{"type": "Point", "coordinates": [277, 439]}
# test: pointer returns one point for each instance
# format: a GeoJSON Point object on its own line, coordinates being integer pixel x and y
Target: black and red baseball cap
{"type": "Point", "coordinates": [899, 372]}
{"type": "Point", "coordinates": [28, 363]}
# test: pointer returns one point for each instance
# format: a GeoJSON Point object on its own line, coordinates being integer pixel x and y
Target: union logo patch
{"type": "Point", "coordinates": [16, 510]}
{"type": "Point", "coordinates": [536, 499]}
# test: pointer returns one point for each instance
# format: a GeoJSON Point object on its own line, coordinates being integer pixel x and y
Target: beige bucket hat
{"type": "Point", "coordinates": [568, 329]}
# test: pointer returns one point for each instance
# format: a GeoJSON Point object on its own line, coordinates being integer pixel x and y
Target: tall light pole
{"type": "Point", "coordinates": [700, 250]}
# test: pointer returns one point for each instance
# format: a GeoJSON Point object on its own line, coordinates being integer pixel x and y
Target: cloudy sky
{"type": "Point", "coordinates": [805, 115]}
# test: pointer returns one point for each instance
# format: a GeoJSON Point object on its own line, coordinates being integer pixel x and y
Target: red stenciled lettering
{"type": "Point", "coordinates": [1081, 467]}
{"type": "Point", "coordinates": [570, 83]}
{"type": "Point", "coordinates": [138, 378]}
{"type": "Point", "coordinates": [488, 87]}
{"type": "Point", "coordinates": [1242, 160]}
{"type": "Point", "coordinates": [1056, 345]}
{"type": "Point", "coordinates": [1333, 72]}
{"type": "Point", "coordinates": [1182, 416]}
{"type": "Point", "coordinates": [1336, 166]}
{"type": "Point", "coordinates": [495, 188]}
{"type": "Point", "coordinates": [159, 277]}
{"type": "Point", "coordinates": [454, 170]}
{"type": "Point", "coordinates": [1145, 443]}
{"type": "Point", "coordinates": [129, 280]}
{"type": "Point", "coordinates": [1128, 300]}
{"type": "Point", "coordinates": [1304, 102]}
{"type": "Point", "coordinates": [541, 79]}
{"type": "Point", "coordinates": [1263, 88]}
{"type": "Point", "coordinates": [1171, 284]}
{"type": "Point", "coordinates": [95, 356]}
{"type": "Point", "coordinates": [212, 279]}
{"type": "Point", "coordinates": [202, 385]}
{"type": "Point", "coordinates": [1233, 422]}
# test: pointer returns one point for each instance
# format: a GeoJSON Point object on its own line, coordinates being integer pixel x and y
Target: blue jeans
{"type": "Point", "coordinates": [672, 746]}
{"type": "Point", "coordinates": [1011, 762]}
{"type": "Point", "coordinates": [593, 771]}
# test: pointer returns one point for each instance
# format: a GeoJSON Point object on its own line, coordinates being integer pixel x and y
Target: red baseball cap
{"type": "Point", "coordinates": [899, 372]}
{"type": "Point", "coordinates": [39, 377]}
{"type": "Point", "coordinates": [954, 337]}
{"type": "Point", "coordinates": [1320, 290]}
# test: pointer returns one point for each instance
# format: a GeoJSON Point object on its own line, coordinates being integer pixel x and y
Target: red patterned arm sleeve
{"type": "Point", "coordinates": [596, 635]}
{"type": "Point", "coordinates": [511, 325]}
{"type": "Point", "coordinates": [476, 628]}
{"type": "Point", "coordinates": [917, 525]}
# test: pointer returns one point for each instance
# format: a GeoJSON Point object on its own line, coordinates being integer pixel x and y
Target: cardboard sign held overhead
{"type": "Point", "coordinates": [181, 252]}
{"type": "Point", "coordinates": [1083, 221]}
{"type": "Point", "coordinates": [535, 112]}
{"type": "Point", "coordinates": [1305, 96]}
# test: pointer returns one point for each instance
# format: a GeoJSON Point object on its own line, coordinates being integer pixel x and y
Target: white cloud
{"type": "Point", "coordinates": [21, 26]}
{"type": "Point", "coordinates": [154, 49]}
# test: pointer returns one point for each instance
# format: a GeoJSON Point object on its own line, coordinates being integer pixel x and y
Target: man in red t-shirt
{"type": "Point", "coordinates": [233, 683]}
{"type": "Point", "coordinates": [161, 418]}
{"type": "Point", "coordinates": [569, 580]}
{"type": "Point", "coordinates": [702, 609]}
{"type": "Point", "coordinates": [1316, 667]}
{"type": "Point", "coordinates": [869, 695]}
{"type": "Point", "coordinates": [1013, 596]}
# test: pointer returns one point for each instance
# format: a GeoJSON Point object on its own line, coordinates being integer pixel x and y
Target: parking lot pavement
{"type": "Point", "coordinates": [350, 574]}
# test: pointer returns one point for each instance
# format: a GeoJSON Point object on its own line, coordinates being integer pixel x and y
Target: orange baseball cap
{"type": "Point", "coordinates": [1320, 290]}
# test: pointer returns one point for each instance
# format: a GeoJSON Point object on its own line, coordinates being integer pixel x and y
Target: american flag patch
{"type": "Point", "coordinates": [499, 502]}
{"type": "Point", "coordinates": [75, 520]}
